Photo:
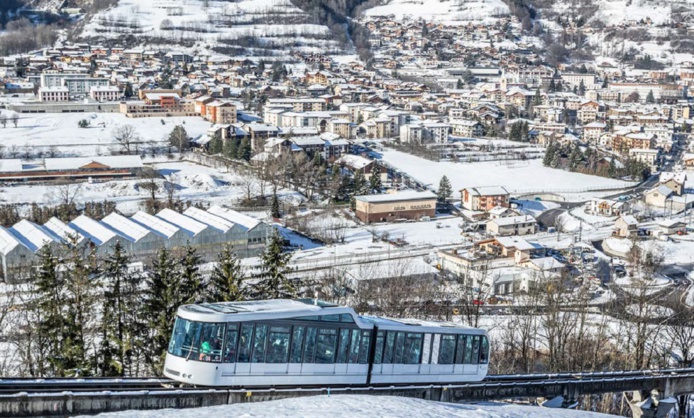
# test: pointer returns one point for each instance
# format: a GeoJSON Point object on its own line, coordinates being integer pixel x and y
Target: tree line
{"type": "Point", "coordinates": [83, 316]}
{"type": "Point", "coordinates": [589, 161]}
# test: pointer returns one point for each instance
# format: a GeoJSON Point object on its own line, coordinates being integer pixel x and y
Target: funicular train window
{"type": "Point", "coordinates": [278, 345]}
{"type": "Point", "coordinates": [364, 349]}
{"type": "Point", "coordinates": [180, 342]}
{"type": "Point", "coordinates": [484, 352]}
{"type": "Point", "coordinates": [207, 342]}
{"type": "Point", "coordinates": [297, 344]}
{"type": "Point", "coordinates": [345, 317]}
{"type": "Point", "coordinates": [447, 349]}
{"type": "Point", "coordinates": [460, 349]}
{"type": "Point", "coordinates": [399, 347]}
{"type": "Point", "coordinates": [259, 344]}
{"type": "Point", "coordinates": [388, 352]}
{"type": "Point", "coordinates": [380, 340]}
{"type": "Point", "coordinates": [476, 349]}
{"type": "Point", "coordinates": [325, 345]}
{"type": "Point", "coordinates": [413, 348]}
{"type": "Point", "coordinates": [343, 347]}
{"type": "Point", "coordinates": [230, 343]}
{"type": "Point", "coordinates": [245, 343]}
{"type": "Point", "coordinates": [310, 345]}
{"type": "Point", "coordinates": [467, 359]}
{"type": "Point", "coordinates": [354, 347]}
{"type": "Point", "coordinates": [330, 318]}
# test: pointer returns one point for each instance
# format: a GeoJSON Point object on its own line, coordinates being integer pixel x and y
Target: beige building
{"type": "Point", "coordinates": [484, 198]}
{"type": "Point", "coordinates": [392, 207]}
{"type": "Point", "coordinates": [512, 225]}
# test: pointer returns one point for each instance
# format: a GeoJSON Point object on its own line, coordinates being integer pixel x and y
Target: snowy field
{"type": "Point", "coordinates": [360, 406]}
{"type": "Point", "coordinates": [193, 182]}
{"type": "Point", "coordinates": [519, 176]}
{"type": "Point", "coordinates": [191, 20]}
{"type": "Point", "coordinates": [60, 130]}
{"type": "Point", "coordinates": [450, 12]}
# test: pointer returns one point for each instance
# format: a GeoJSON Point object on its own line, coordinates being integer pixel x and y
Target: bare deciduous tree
{"type": "Point", "coordinates": [127, 137]}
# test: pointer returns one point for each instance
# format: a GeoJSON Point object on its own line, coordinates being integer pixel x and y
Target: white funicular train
{"type": "Point", "coordinates": [308, 342]}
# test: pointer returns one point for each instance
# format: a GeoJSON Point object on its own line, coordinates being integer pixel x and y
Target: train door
{"type": "Point", "coordinates": [472, 353]}
{"type": "Point", "coordinates": [277, 350]}
{"type": "Point", "coordinates": [230, 351]}
{"type": "Point", "coordinates": [307, 364]}
{"type": "Point", "coordinates": [388, 353]}
{"type": "Point", "coordinates": [353, 366]}
{"type": "Point", "coordinates": [425, 366]}
{"type": "Point", "coordinates": [341, 363]}
{"type": "Point", "coordinates": [243, 366]}
{"type": "Point", "coordinates": [297, 348]}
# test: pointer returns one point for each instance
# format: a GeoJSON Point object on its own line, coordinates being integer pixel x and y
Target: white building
{"type": "Point", "coordinates": [54, 94]}
{"type": "Point", "coordinates": [105, 93]}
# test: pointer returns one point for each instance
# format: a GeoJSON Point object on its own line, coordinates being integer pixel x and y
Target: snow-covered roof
{"type": "Point", "coordinates": [235, 217]}
{"type": "Point", "coordinates": [679, 178]}
{"type": "Point", "coordinates": [126, 228]}
{"type": "Point", "coordinates": [118, 161]}
{"type": "Point", "coordinates": [62, 230]}
{"type": "Point", "coordinates": [208, 218]}
{"type": "Point", "coordinates": [157, 225]}
{"type": "Point", "coordinates": [488, 191]}
{"type": "Point", "coordinates": [8, 242]}
{"type": "Point", "coordinates": [512, 220]}
{"type": "Point", "coordinates": [93, 230]}
{"type": "Point", "coordinates": [397, 197]}
{"type": "Point", "coordinates": [354, 161]}
{"type": "Point", "coordinates": [33, 236]}
{"type": "Point", "coordinates": [630, 220]}
{"type": "Point", "coordinates": [515, 242]}
{"type": "Point", "coordinates": [10, 165]}
{"type": "Point", "coordinates": [187, 224]}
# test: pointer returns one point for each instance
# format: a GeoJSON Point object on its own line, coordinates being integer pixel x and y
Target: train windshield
{"type": "Point", "coordinates": [200, 341]}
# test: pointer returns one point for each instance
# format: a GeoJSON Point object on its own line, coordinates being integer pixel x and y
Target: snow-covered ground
{"type": "Point", "coordinates": [360, 406]}
{"type": "Point", "coordinates": [206, 23]}
{"type": "Point", "coordinates": [521, 176]}
{"type": "Point", "coordinates": [193, 182]}
{"type": "Point", "coordinates": [451, 11]}
{"type": "Point", "coordinates": [60, 131]}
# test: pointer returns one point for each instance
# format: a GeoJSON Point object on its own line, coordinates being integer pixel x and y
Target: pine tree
{"type": "Point", "coordinates": [552, 86]}
{"type": "Point", "coordinates": [582, 88]}
{"type": "Point", "coordinates": [549, 155]}
{"type": "Point", "coordinates": [230, 148]}
{"type": "Point", "coordinates": [650, 98]}
{"type": "Point", "coordinates": [244, 150]}
{"type": "Point", "coordinates": [445, 191]}
{"type": "Point", "coordinates": [80, 305]}
{"type": "Point", "coordinates": [48, 307]}
{"type": "Point", "coordinates": [537, 100]}
{"type": "Point", "coordinates": [162, 299]}
{"type": "Point", "coordinates": [375, 183]}
{"type": "Point", "coordinates": [225, 284]}
{"type": "Point", "coordinates": [459, 84]}
{"type": "Point", "coordinates": [360, 184]}
{"type": "Point", "coordinates": [274, 283]}
{"type": "Point", "coordinates": [191, 279]}
{"type": "Point", "coordinates": [128, 91]}
{"type": "Point", "coordinates": [524, 132]}
{"type": "Point", "coordinates": [121, 325]}
{"type": "Point", "coordinates": [275, 207]}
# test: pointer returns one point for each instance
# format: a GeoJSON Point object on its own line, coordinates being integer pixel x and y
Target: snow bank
{"type": "Point", "coordinates": [361, 406]}
{"type": "Point", "coordinates": [617, 246]}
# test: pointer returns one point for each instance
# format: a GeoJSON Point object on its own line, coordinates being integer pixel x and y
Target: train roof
{"type": "Point", "coordinates": [259, 310]}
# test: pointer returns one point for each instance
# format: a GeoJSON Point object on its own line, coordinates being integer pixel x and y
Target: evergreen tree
{"type": "Point", "coordinates": [582, 88]}
{"type": "Point", "coordinates": [459, 84]}
{"type": "Point", "coordinates": [445, 190]}
{"type": "Point", "coordinates": [128, 91]}
{"type": "Point", "coordinates": [274, 283]}
{"type": "Point", "coordinates": [80, 306]}
{"type": "Point", "coordinates": [375, 183]}
{"type": "Point", "coordinates": [575, 158]}
{"type": "Point", "coordinates": [191, 279]}
{"type": "Point", "coordinates": [225, 284]}
{"type": "Point", "coordinates": [549, 155]}
{"type": "Point", "coordinates": [48, 307]}
{"type": "Point", "coordinates": [216, 145]}
{"type": "Point", "coordinates": [524, 132]}
{"type": "Point", "coordinates": [162, 299]}
{"type": "Point", "coordinates": [552, 86]}
{"type": "Point", "coordinates": [275, 207]}
{"type": "Point", "coordinates": [612, 169]}
{"type": "Point", "coordinates": [650, 98]}
{"type": "Point", "coordinates": [120, 320]}
{"type": "Point", "coordinates": [537, 100]}
{"type": "Point", "coordinates": [360, 185]}
{"type": "Point", "coordinates": [244, 150]}
{"type": "Point", "coordinates": [230, 148]}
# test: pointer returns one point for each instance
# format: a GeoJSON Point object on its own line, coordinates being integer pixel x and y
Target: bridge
{"type": "Point", "coordinates": [67, 397]}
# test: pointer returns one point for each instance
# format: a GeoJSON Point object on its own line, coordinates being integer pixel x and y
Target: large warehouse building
{"type": "Point", "coordinates": [141, 235]}
{"type": "Point", "coordinates": [393, 207]}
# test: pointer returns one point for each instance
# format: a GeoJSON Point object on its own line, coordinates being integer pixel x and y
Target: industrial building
{"type": "Point", "coordinates": [141, 235]}
{"type": "Point", "coordinates": [394, 207]}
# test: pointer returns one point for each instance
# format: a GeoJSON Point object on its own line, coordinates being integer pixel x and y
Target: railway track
{"type": "Point", "coordinates": [16, 386]}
